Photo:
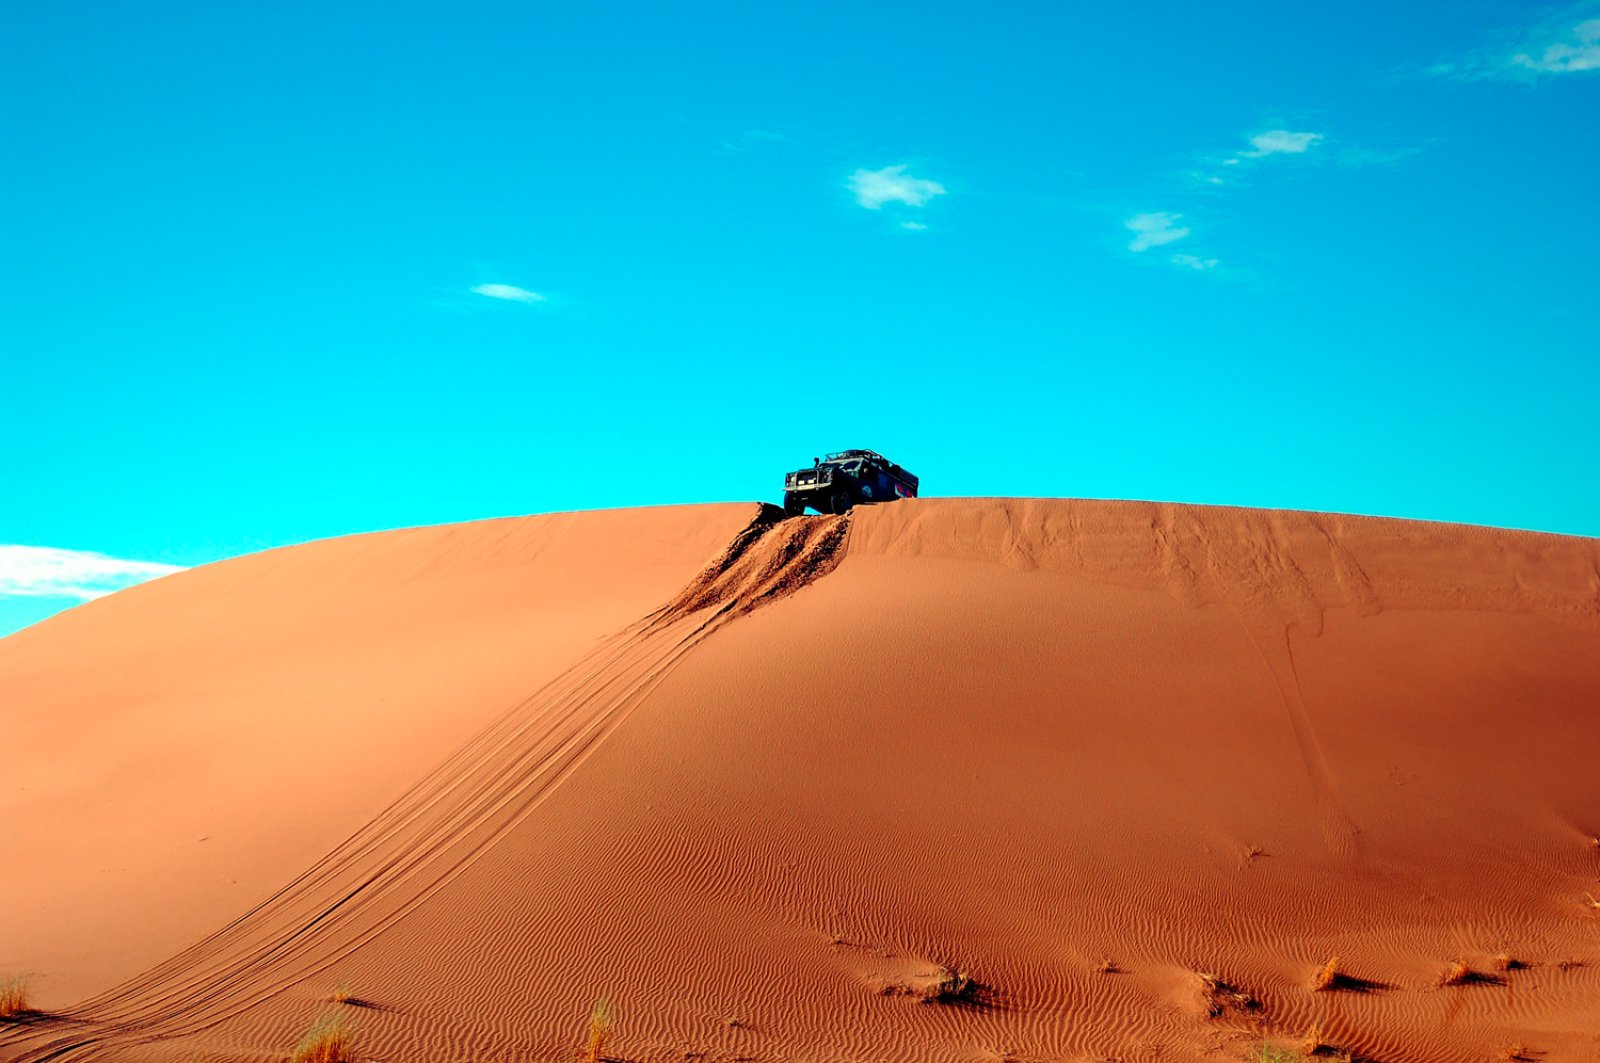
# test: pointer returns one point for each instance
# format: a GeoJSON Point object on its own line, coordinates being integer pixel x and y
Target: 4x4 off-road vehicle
{"type": "Point", "coordinates": [848, 478]}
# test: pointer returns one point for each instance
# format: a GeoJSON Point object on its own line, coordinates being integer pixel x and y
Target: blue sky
{"type": "Point", "coordinates": [279, 272]}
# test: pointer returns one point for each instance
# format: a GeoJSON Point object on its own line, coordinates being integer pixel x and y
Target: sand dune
{"type": "Point", "coordinates": [1140, 770]}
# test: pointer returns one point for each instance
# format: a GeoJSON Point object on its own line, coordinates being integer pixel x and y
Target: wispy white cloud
{"type": "Point", "coordinates": [914, 226]}
{"type": "Point", "coordinates": [508, 292]}
{"type": "Point", "coordinates": [1575, 49]}
{"type": "Point", "coordinates": [1219, 172]}
{"type": "Point", "coordinates": [1567, 42]}
{"type": "Point", "coordinates": [874, 188]}
{"type": "Point", "coordinates": [1280, 142]}
{"type": "Point", "coordinates": [1154, 229]}
{"type": "Point", "coordinates": [51, 572]}
{"type": "Point", "coordinates": [1159, 228]}
{"type": "Point", "coordinates": [1263, 145]}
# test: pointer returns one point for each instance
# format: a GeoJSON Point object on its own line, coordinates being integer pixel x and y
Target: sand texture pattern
{"type": "Point", "coordinates": [940, 780]}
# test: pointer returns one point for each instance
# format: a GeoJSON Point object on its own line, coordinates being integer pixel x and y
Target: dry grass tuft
{"type": "Point", "coordinates": [1517, 1053]}
{"type": "Point", "coordinates": [950, 985]}
{"type": "Point", "coordinates": [1460, 974]}
{"type": "Point", "coordinates": [1109, 967]}
{"type": "Point", "coordinates": [1332, 977]}
{"type": "Point", "coordinates": [945, 985]}
{"type": "Point", "coordinates": [1273, 1054]}
{"type": "Point", "coordinates": [14, 998]}
{"type": "Point", "coordinates": [1221, 997]}
{"type": "Point", "coordinates": [1507, 962]}
{"type": "Point", "coordinates": [331, 1039]}
{"type": "Point", "coordinates": [600, 1022]}
{"type": "Point", "coordinates": [1315, 1046]}
{"type": "Point", "coordinates": [1327, 976]}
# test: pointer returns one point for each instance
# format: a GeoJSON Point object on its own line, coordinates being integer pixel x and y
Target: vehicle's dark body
{"type": "Point", "coordinates": [848, 478]}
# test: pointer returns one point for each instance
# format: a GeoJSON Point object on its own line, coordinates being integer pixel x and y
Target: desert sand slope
{"type": "Point", "coordinates": [177, 751]}
{"type": "Point", "coordinates": [1142, 770]}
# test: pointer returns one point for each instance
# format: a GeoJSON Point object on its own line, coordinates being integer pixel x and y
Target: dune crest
{"type": "Point", "coordinates": [938, 780]}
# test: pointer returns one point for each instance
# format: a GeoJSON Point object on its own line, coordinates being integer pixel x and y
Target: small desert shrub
{"type": "Point", "coordinates": [600, 1020]}
{"type": "Point", "coordinates": [1457, 973]}
{"type": "Point", "coordinates": [331, 1039]}
{"type": "Point", "coordinates": [945, 985]}
{"type": "Point", "coordinates": [949, 986]}
{"type": "Point", "coordinates": [1221, 997]}
{"type": "Point", "coordinates": [14, 997]}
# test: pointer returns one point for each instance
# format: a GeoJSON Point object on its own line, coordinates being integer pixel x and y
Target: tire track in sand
{"type": "Point", "coordinates": [435, 830]}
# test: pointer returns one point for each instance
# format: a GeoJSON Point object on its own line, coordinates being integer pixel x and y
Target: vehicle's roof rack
{"type": "Point", "coordinates": [846, 455]}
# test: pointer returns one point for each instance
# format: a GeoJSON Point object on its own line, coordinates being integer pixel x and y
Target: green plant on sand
{"type": "Point", "coordinates": [1272, 1054]}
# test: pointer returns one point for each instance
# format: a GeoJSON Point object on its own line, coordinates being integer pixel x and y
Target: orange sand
{"type": "Point", "coordinates": [482, 776]}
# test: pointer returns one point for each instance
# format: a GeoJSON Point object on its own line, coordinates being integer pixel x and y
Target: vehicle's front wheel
{"type": "Point", "coordinates": [841, 503]}
{"type": "Point", "coordinates": [793, 505]}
